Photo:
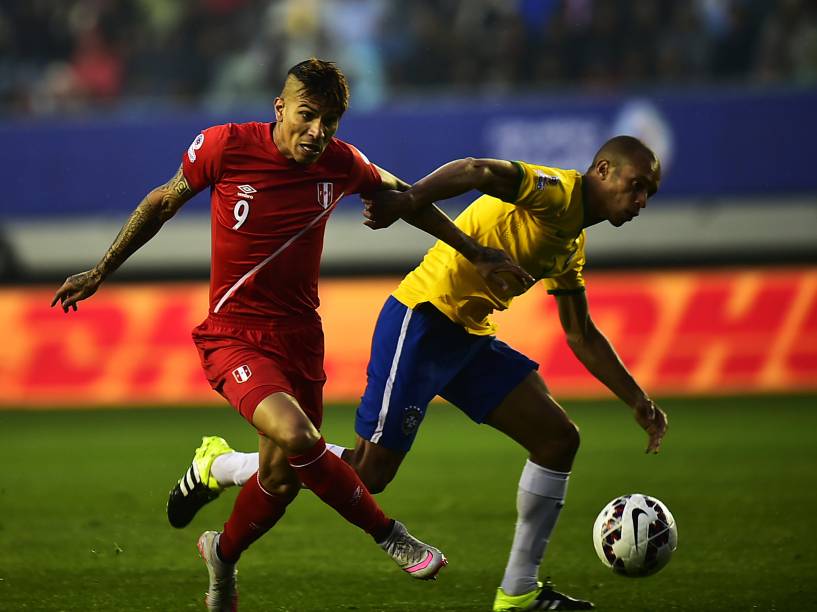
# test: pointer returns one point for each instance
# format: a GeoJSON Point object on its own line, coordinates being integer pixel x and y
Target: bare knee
{"type": "Point", "coordinates": [557, 447]}
{"type": "Point", "coordinates": [530, 416]}
{"type": "Point", "coordinates": [564, 440]}
{"type": "Point", "coordinates": [570, 439]}
{"type": "Point", "coordinates": [297, 439]}
{"type": "Point", "coordinates": [281, 420]}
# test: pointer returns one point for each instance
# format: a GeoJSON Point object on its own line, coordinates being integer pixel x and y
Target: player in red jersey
{"type": "Point", "coordinates": [273, 187]}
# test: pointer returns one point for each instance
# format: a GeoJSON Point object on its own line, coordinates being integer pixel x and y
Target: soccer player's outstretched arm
{"type": "Point", "coordinates": [145, 221]}
{"type": "Point", "coordinates": [594, 350]}
{"type": "Point", "coordinates": [493, 265]}
{"type": "Point", "coordinates": [494, 177]}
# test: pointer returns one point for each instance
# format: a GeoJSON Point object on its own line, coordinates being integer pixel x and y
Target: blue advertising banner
{"type": "Point", "coordinates": [740, 143]}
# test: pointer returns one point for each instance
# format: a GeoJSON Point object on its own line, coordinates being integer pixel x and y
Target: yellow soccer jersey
{"type": "Point", "coordinates": [541, 230]}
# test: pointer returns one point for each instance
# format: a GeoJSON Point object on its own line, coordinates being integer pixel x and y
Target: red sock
{"type": "Point", "coordinates": [337, 484]}
{"type": "Point", "coordinates": [254, 513]}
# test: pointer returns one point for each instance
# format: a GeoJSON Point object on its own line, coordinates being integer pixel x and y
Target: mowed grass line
{"type": "Point", "coordinates": [82, 523]}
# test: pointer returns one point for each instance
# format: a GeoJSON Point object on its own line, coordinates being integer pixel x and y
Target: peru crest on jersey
{"type": "Point", "coordinates": [325, 193]}
{"type": "Point", "coordinates": [268, 216]}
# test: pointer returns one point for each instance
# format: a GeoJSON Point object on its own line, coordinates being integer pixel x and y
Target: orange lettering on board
{"type": "Point", "coordinates": [678, 332]}
{"type": "Point", "coordinates": [169, 366]}
{"type": "Point", "coordinates": [801, 359]}
{"type": "Point", "coordinates": [723, 337]}
{"type": "Point", "coordinates": [70, 353]}
{"type": "Point", "coordinates": [349, 311]}
{"type": "Point", "coordinates": [628, 309]}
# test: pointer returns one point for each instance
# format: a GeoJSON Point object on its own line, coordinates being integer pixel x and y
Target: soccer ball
{"type": "Point", "coordinates": [635, 535]}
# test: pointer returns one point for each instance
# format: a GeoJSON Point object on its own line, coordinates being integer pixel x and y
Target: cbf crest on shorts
{"type": "Point", "coordinates": [412, 416]}
{"type": "Point", "coordinates": [325, 193]}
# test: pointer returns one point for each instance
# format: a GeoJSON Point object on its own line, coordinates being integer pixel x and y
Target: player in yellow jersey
{"type": "Point", "coordinates": [434, 335]}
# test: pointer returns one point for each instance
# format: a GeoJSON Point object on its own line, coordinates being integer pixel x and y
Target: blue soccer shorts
{"type": "Point", "coordinates": [420, 353]}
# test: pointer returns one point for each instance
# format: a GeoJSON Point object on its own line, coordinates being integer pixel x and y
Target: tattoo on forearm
{"type": "Point", "coordinates": [178, 184]}
{"type": "Point", "coordinates": [140, 227]}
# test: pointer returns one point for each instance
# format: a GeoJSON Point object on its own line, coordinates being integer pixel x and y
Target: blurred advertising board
{"type": "Point", "coordinates": [690, 332]}
{"type": "Point", "coordinates": [713, 144]}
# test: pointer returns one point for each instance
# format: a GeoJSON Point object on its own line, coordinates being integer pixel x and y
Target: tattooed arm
{"type": "Point", "coordinates": [153, 211]}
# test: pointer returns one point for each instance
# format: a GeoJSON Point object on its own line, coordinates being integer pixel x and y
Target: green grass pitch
{"type": "Point", "coordinates": [82, 521]}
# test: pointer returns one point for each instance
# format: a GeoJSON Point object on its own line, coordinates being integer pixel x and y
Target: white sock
{"type": "Point", "coordinates": [539, 500]}
{"type": "Point", "coordinates": [335, 449]}
{"type": "Point", "coordinates": [234, 468]}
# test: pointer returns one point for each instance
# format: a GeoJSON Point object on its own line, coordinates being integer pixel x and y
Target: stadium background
{"type": "Point", "coordinates": [711, 292]}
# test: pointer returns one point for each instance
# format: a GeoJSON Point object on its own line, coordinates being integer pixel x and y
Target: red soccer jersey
{"type": "Point", "coordinates": [268, 215]}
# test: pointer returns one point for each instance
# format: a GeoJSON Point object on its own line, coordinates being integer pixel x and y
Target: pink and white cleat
{"type": "Point", "coordinates": [417, 559]}
{"type": "Point", "coordinates": [222, 594]}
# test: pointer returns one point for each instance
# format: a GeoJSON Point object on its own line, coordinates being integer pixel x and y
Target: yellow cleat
{"type": "Point", "coordinates": [196, 487]}
{"type": "Point", "coordinates": [543, 597]}
{"type": "Point", "coordinates": [211, 447]}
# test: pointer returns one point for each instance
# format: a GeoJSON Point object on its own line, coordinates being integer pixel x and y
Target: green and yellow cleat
{"type": "Point", "coordinates": [197, 487]}
{"type": "Point", "coordinates": [544, 597]}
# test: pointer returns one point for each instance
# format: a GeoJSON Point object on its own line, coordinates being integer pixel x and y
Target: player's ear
{"type": "Point", "coordinates": [278, 105]}
{"type": "Point", "coordinates": [603, 168]}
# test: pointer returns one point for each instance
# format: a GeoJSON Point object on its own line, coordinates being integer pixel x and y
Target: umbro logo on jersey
{"type": "Point", "coordinates": [244, 191]}
{"type": "Point", "coordinates": [325, 193]}
{"type": "Point", "coordinates": [242, 374]}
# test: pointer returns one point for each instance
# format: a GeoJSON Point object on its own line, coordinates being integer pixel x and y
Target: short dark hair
{"type": "Point", "coordinates": [323, 81]}
{"type": "Point", "coordinates": [621, 148]}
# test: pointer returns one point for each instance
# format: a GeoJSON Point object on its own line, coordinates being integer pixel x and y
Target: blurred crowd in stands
{"type": "Point", "coordinates": [63, 56]}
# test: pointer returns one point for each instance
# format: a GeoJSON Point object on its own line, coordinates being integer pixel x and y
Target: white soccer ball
{"type": "Point", "coordinates": [635, 535]}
